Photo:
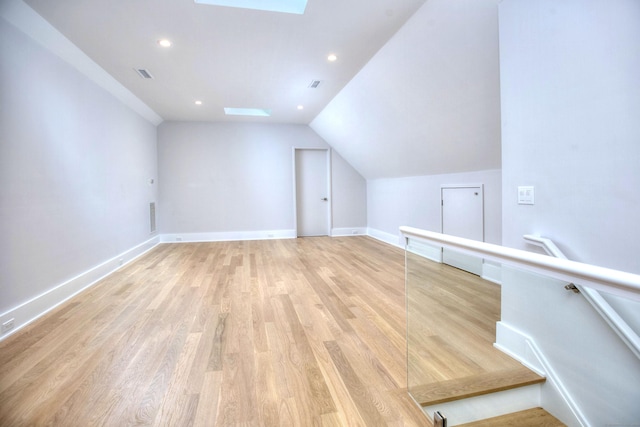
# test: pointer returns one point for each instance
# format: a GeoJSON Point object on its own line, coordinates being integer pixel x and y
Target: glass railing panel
{"type": "Point", "coordinates": [451, 324]}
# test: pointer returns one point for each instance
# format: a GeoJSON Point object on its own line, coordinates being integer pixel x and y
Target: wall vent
{"type": "Point", "coordinates": [314, 84]}
{"type": "Point", "coordinates": [152, 217]}
{"type": "Point", "coordinates": [145, 74]}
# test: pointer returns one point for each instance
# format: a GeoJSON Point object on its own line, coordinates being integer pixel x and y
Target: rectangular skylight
{"type": "Point", "coordinates": [286, 6]}
{"type": "Point", "coordinates": [247, 112]}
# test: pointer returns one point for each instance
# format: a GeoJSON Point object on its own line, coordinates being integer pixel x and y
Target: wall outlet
{"type": "Point", "coordinates": [8, 325]}
{"type": "Point", "coordinates": [178, 239]}
{"type": "Point", "coordinates": [354, 232]}
{"type": "Point", "coordinates": [120, 261]}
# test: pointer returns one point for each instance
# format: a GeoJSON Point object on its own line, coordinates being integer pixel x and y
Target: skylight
{"type": "Point", "coordinates": [285, 6]}
{"type": "Point", "coordinates": [247, 112]}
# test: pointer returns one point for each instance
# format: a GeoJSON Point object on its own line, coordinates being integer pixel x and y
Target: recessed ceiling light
{"type": "Point", "coordinates": [260, 112]}
{"type": "Point", "coordinates": [198, 102]}
{"type": "Point", "coordinates": [332, 57]}
{"type": "Point", "coordinates": [164, 43]}
{"type": "Point", "coordinates": [286, 6]}
{"type": "Point", "coordinates": [300, 107]}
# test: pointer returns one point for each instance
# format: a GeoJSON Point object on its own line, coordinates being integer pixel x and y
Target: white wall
{"type": "Point", "coordinates": [415, 202]}
{"type": "Point", "coordinates": [571, 127]}
{"type": "Point", "coordinates": [570, 93]}
{"type": "Point", "coordinates": [235, 178]}
{"type": "Point", "coordinates": [428, 102]}
{"type": "Point", "coordinates": [74, 170]}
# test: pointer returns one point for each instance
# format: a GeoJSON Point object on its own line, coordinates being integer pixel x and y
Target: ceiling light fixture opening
{"type": "Point", "coordinates": [300, 107]}
{"type": "Point", "coordinates": [198, 102]}
{"type": "Point", "coordinates": [164, 42]}
{"type": "Point", "coordinates": [332, 57]}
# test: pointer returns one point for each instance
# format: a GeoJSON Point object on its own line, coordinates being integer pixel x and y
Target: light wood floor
{"type": "Point", "coordinates": [264, 333]}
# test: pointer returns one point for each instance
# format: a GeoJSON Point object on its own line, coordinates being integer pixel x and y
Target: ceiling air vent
{"type": "Point", "coordinates": [314, 84]}
{"type": "Point", "coordinates": [144, 73]}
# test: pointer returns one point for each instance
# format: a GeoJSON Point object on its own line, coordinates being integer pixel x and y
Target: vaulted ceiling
{"type": "Point", "coordinates": [414, 89]}
{"type": "Point", "coordinates": [227, 56]}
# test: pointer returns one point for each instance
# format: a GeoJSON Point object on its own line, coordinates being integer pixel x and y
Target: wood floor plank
{"type": "Point", "coordinates": [357, 389]}
{"type": "Point", "coordinates": [300, 332]}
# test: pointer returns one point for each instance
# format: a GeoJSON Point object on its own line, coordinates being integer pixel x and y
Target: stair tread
{"type": "Point", "coordinates": [536, 417]}
{"type": "Point", "coordinates": [474, 385]}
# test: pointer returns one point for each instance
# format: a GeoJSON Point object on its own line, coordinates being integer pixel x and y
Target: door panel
{"type": "Point", "coordinates": [462, 216]}
{"type": "Point", "coordinates": [312, 193]}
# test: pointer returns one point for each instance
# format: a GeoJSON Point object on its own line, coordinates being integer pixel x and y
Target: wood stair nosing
{"type": "Point", "coordinates": [536, 417]}
{"type": "Point", "coordinates": [475, 385]}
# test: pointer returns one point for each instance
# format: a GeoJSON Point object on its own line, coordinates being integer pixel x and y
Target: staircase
{"type": "Point", "coordinates": [454, 367]}
{"type": "Point", "coordinates": [511, 393]}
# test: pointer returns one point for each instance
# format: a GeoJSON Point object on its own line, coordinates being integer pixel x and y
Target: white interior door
{"type": "Point", "coordinates": [463, 216]}
{"type": "Point", "coordinates": [312, 192]}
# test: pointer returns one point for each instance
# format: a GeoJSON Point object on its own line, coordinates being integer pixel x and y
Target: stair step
{"type": "Point", "coordinates": [474, 385]}
{"type": "Point", "coordinates": [536, 417]}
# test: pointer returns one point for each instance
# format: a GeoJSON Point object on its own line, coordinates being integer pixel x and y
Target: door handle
{"type": "Point", "coordinates": [324, 199]}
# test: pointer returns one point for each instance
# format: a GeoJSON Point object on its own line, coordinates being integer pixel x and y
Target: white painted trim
{"type": "Point", "coordinates": [605, 279]}
{"type": "Point", "coordinates": [226, 236]}
{"type": "Point", "coordinates": [524, 349]}
{"type": "Point", "coordinates": [391, 239]}
{"type": "Point", "coordinates": [29, 22]}
{"type": "Point", "coordinates": [29, 311]}
{"type": "Point", "coordinates": [348, 231]}
{"type": "Point", "coordinates": [488, 405]}
{"type": "Point", "coordinates": [492, 272]}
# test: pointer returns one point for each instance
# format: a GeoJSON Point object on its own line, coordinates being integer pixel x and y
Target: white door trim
{"type": "Point", "coordinates": [329, 186]}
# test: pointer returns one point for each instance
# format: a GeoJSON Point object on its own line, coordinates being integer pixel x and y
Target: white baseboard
{"type": "Point", "coordinates": [226, 236]}
{"type": "Point", "coordinates": [29, 311]}
{"type": "Point", "coordinates": [349, 231]}
{"type": "Point", "coordinates": [392, 239]}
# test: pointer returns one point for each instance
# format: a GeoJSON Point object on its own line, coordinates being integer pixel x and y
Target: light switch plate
{"type": "Point", "coordinates": [526, 195]}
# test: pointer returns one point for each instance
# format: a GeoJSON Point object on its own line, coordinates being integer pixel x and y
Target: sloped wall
{"type": "Point", "coordinates": [428, 102]}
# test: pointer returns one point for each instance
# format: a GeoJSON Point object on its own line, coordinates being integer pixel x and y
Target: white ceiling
{"type": "Point", "coordinates": [229, 57]}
